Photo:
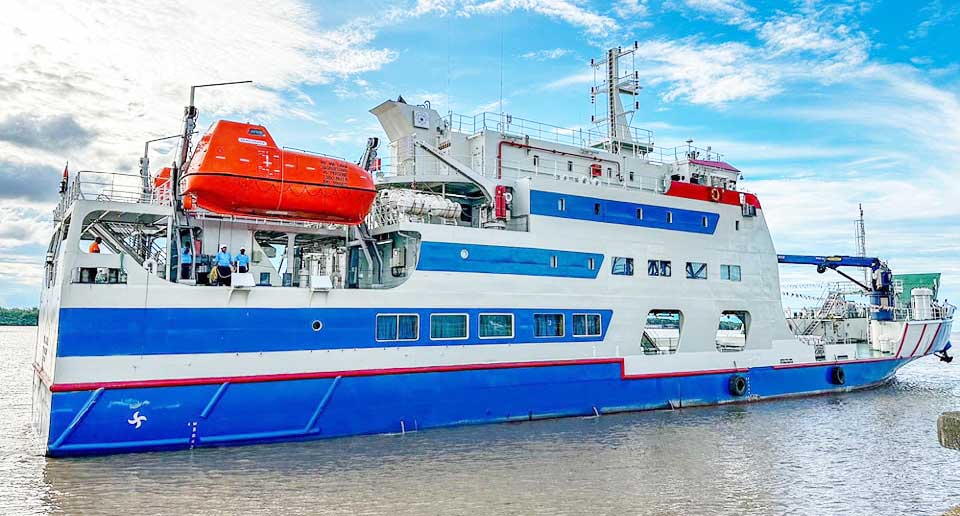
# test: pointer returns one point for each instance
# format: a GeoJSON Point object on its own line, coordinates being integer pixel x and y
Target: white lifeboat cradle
{"type": "Point", "coordinates": [507, 270]}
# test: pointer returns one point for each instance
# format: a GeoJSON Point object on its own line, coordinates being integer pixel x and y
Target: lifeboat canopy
{"type": "Point", "coordinates": [238, 169]}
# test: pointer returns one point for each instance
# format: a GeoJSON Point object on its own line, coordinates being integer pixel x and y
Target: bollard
{"type": "Point", "coordinates": [948, 429]}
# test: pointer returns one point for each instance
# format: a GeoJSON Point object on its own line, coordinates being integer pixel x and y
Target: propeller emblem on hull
{"type": "Point", "coordinates": [137, 419]}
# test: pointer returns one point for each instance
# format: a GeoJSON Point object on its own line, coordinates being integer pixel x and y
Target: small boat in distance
{"type": "Point", "coordinates": [238, 169]}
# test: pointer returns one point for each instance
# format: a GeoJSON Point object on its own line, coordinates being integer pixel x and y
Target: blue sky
{"type": "Point", "coordinates": [821, 104]}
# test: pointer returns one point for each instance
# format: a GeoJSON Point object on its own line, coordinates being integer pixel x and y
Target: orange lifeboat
{"type": "Point", "coordinates": [237, 169]}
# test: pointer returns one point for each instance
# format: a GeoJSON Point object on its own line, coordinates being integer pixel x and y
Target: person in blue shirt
{"type": "Point", "coordinates": [185, 260]}
{"type": "Point", "coordinates": [223, 260]}
{"type": "Point", "coordinates": [242, 260]}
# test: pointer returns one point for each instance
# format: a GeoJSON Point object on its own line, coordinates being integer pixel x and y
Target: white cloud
{"type": "Point", "coordinates": [568, 11]}
{"type": "Point", "coordinates": [730, 12]}
{"type": "Point", "coordinates": [934, 15]}
{"type": "Point", "coordinates": [546, 55]}
{"type": "Point", "coordinates": [631, 9]}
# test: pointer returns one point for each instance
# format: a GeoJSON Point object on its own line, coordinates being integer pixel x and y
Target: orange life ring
{"type": "Point", "coordinates": [715, 194]}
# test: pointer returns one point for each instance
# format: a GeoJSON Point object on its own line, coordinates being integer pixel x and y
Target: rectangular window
{"type": "Point", "coordinates": [706, 223]}
{"type": "Point", "coordinates": [553, 261]}
{"type": "Point", "coordinates": [696, 270]}
{"type": "Point", "coordinates": [586, 325]}
{"type": "Point", "coordinates": [448, 326]}
{"type": "Point", "coordinates": [569, 166]}
{"type": "Point", "coordinates": [639, 213]}
{"type": "Point", "coordinates": [591, 263]}
{"type": "Point", "coordinates": [737, 225]}
{"type": "Point", "coordinates": [561, 204]}
{"type": "Point", "coordinates": [669, 217]}
{"type": "Point", "coordinates": [596, 208]}
{"type": "Point", "coordinates": [394, 327]}
{"type": "Point", "coordinates": [631, 175]}
{"type": "Point", "coordinates": [659, 268]}
{"type": "Point", "coordinates": [622, 266]}
{"type": "Point", "coordinates": [536, 160]}
{"type": "Point", "coordinates": [496, 325]}
{"type": "Point", "coordinates": [548, 325]}
{"type": "Point", "coordinates": [730, 272]}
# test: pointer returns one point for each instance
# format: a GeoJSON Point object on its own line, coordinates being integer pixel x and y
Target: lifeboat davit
{"type": "Point", "coordinates": [237, 169]}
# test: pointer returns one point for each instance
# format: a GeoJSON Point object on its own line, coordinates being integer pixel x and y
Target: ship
{"type": "Point", "coordinates": [489, 269]}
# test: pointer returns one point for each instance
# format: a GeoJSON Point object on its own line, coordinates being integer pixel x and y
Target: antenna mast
{"type": "Point", "coordinates": [613, 85]}
{"type": "Point", "coordinates": [861, 239]}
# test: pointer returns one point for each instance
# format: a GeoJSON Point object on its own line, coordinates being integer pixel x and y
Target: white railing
{"type": "Point", "coordinates": [509, 124]}
{"type": "Point", "coordinates": [110, 187]}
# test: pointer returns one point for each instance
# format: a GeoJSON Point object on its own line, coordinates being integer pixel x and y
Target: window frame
{"type": "Point", "coordinates": [688, 269]}
{"type": "Point", "coordinates": [396, 315]}
{"type": "Point", "coordinates": [660, 268]}
{"type": "Point", "coordinates": [599, 317]}
{"type": "Point", "coordinates": [628, 266]}
{"type": "Point", "coordinates": [563, 325]}
{"type": "Point", "coordinates": [466, 318]}
{"type": "Point", "coordinates": [513, 325]}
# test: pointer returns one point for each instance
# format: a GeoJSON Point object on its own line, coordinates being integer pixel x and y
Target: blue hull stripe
{"type": "Point", "coordinates": [166, 331]}
{"type": "Point", "coordinates": [492, 259]}
{"type": "Point", "coordinates": [626, 213]}
{"type": "Point", "coordinates": [247, 413]}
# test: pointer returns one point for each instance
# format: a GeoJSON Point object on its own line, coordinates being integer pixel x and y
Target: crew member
{"type": "Point", "coordinates": [185, 261]}
{"type": "Point", "coordinates": [223, 260]}
{"type": "Point", "coordinates": [242, 260]}
{"type": "Point", "coordinates": [95, 246]}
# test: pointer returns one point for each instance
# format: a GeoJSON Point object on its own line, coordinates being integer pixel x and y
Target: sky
{"type": "Point", "coordinates": [822, 105]}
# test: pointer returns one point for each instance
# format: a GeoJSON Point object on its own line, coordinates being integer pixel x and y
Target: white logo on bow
{"type": "Point", "coordinates": [137, 419]}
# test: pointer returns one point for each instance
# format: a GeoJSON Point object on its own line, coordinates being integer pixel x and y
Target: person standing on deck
{"type": "Point", "coordinates": [186, 259]}
{"type": "Point", "coordinates": [95, 246]}
{"type": "Point", "coordinates": [242, 260]}
{"type": "Point", "coordinates": [224, 260]}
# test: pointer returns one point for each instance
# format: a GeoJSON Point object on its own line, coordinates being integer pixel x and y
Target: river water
{"type": "Point", "coordinates": [872, 452]}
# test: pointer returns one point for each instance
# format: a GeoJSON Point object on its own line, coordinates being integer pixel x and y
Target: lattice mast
{"type": "Point", "coordinates": [612, 85]}
{"type": "Point", "coordinates": [861, 241]}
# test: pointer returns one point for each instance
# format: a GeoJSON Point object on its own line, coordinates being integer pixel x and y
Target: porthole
{"type": "Point", "coordinates": [316, 325]}
{"type": "Point", "coordinates": [464, 254]}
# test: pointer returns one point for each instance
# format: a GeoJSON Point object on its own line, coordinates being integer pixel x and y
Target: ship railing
{"type": "Point", "coordinates": [201, 214]}
{"type": "Point", "coordinates": [109, 187]}
{"type": "Point", "coordinates": [513, 125]}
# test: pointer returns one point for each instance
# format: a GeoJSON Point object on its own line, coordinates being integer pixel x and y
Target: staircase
{"type": "Point", "coordinates": [128, 239]}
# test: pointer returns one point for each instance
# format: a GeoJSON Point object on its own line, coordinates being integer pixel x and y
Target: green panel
{"type": "Point", "coordinates": [911, 281]}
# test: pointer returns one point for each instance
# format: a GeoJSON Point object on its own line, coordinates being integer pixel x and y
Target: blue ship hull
{"type": "Point", "coordinates": [86, 422]}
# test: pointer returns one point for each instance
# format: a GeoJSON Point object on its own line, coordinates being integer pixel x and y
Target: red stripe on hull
{"type": "Point", "coordinates": [902, 338]}
{"type": "Point", "coordinates": [922, 332]}
{"type": "Point", "coordinates": [182, 382]}
{"type": "Point", "coordinates": [934, 340]}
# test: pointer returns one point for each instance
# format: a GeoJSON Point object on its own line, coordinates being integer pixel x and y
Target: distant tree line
{"type": "Point", "coordinates": [19, 316]}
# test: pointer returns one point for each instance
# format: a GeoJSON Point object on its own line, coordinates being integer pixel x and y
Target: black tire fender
{"type": "Point", "coordinates": [838, 376]}
{"type": "Point", "coordinates": [737, 385]}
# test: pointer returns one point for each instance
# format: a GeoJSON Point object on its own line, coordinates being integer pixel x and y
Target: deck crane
{"type": "Point", "coordinates": [880, 289]}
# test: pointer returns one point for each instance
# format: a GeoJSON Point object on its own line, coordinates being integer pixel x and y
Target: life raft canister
{"type": "Point", "coordinates": [738, 385]}
{"type": "Point", "coordinates": [715, 194]}
{"type": "Point", "coordinates": [837, 376]}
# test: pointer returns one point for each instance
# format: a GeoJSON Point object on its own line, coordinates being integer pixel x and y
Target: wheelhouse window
{"type": "Point", "coordinates": [696, 270]}
{"type": "Point", "coordinates": [586, 325]}
{"type": "Point", "coordinates": [659, 268]}
{"type": "Point", "coordinates": [496, 325]}
{"type": "Point", "coordinates": [730, 272]}
{"type": "Point", "coordinates": [622, 266]}
{"type": "Point", "coordinates": [448, 326]}
{"type": "Point", "coordinates": [398, 327]}
{"type": "Point", "coordinates": [732, 330]}
{"type": "Point", "coordinates": [661, 333]}
{"type": "Point", "coordinates": [548, 325]}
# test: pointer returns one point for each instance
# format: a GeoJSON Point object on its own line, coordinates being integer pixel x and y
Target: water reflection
{"type": "Point", "coordinates": [868, 453]}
